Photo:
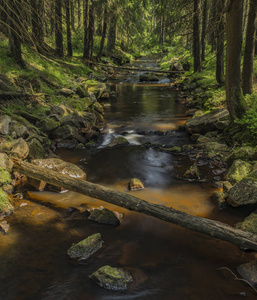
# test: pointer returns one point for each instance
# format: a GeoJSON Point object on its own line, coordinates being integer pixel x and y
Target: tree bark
{"type": "Point", "coordinates": [68, 27]}
{"type": "Point", "coordinates": [79, 14]}
{"type": "Point", "coordinates": [37, 11]}
{"type": "Point", "coordinates": [58, 28]}
{"type": "Point", "coordinates": [235, 100]}
{"type": "Point", "coordinates": [204, 25]}
{"type": "Point", "coordinates": [213, 26]}
{"type": "Point", "coordinates": [14, 33]}
{"type": "Point", "coordinates": [247, 74]}
{"type": "Point", "coordinates": [212, 228]}
{"type": "Point", "coordinates": [104, 31]}
{"type": "Point", "coordinates": [196, 37]}
{"type": "Point", "coordinates": [220, 43]}
{"type": "Point", "coordinates": [112, 31]}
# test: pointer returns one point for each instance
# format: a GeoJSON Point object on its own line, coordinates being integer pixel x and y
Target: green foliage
{"type": "Point", "coordinates": [249, 122]}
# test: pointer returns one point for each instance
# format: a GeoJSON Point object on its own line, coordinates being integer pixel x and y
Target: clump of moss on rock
{"type": "Point", "coordinates": [5, 205]}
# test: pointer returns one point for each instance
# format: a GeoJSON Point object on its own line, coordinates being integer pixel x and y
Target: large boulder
{"type": "Point", "coordinates": [104, 216]}
{"type": "Point", "coordinates": [18, 148]}
{"type": "Point", "coordinates": [5, 124]}
{"type": "Point", "coordinates": [244, 192]}
{"type": "Point", "coordinates": [84, 249]}
{"type": "Point", "coordinates": [20, 130]}
{"type": "Point", "coordinates": [249, 272]}
{"type": "Point", "coordinates": [111, 278]}
{"type": "Point", "coordinates": [238, 171]}
{"type": "Point", "coordinates": [48, 125]}
{"type": "Point", "coordinates": [215, 120]}
{"type": "Point", "coordinates": [36, 149]}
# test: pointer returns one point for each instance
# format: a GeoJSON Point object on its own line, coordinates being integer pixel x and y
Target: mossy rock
{"type": "Point", "coordinates": [219, 199]}
{"type": "Point", "coordinates": [112, 278]}
{"type": "Point", "coordinates": [104, 216]}
{"type": "Point", "coordinates": [118, 142]}
{"type": "Point", "coordinates": [192, 172]}
{"type": "Point", "coordinates": [243, 153]}
{"type": "Point", "coordinates": [136, 184]}
{"type": "Point", "coordinates": [238, 171]}
{"type": "Point", "coordinates": [5, 206]}
{"type": "Point", "coordinates": [173, 150]}
{"type": "Point", "coordinates": [36, 149]}
{"type": "Point", "coordinates": [98, 107]}
{"type": "Point", "coordinates": [48, 125]}
{"type": "Point", "coordinates": [5, 162]}
{"type": "Point", "coordinates": [5, 177]}
{"type": "Point", "coordinates": [249, 223]}
{"type": "Point", "coordinates": [86, 247]}
{"type": "Point", "coordinates": [244, 192]}
{"type": "Point", "coordinates": [18, 148]}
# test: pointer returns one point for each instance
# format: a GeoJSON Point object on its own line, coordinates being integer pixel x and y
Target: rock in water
{"type": "Point", "coordinates": [87, 247]}
{"type": "Point", "coordinates": [111, 278]}
{"type": "Point", "coordinates": [104, 216]}
{"type": "Point", "coordinates": [249, 272]}
{"type": "Point", "coordinates": [136, 184]}
{"type": "Point", "coordinates": [118, 142]}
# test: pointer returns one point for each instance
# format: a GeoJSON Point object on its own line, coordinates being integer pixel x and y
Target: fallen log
{"type": "Point", "coordinates": [212, 228]}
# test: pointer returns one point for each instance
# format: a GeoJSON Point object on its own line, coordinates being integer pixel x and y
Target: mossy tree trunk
{"type": "Point", "coordinates": [220, 43]}
{"type": "Point", "coordinates": [14, 33]}
{"type": "Point", "coordinates": [235, 100]}
{"type": "Point", "coordinates": [204, 25]}
{"type": "Point", "coordinates": [88, 29]}
{"type": "Point", "coordinates": [58, 29]}
{"type": "Point", "coordinates": [37, 24]}
{"type": "Point", "coordinates": [68, 26]}
{"type": "Point", "coordinates": [196, 36]}
{"type": "Point", "coordinates": [247, 74]}
{"type": "Point", "coordinates": [112, 30]}
{"type": "Point", "coordinates": [100, 53]}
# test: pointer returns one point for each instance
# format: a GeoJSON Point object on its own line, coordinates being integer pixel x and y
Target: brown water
{"type": "Point", "coordinates": [166, 261]}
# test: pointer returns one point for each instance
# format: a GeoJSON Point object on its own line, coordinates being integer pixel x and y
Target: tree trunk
{"type": "Point", "coordinates": [196, 36]}
{"type": "Point", "coordinates": [68, 25]}
{"type": "Point", "coordinates": [104, 31]}
{"type": "Point", "coordinates": [14, 33]}
{"type": "Point", "coordinates": [213, 26]}
{"type": "Point", "coordinates": [247, 74]}
{"type": "Point", "coordinates": [112, 31]}
{"type": "Point", "coordinates": [220, 43]}
{"type": "Point", "coordinates": [161, 30]}
{"type": "Point", "coordinates": [79, 14]}
{"type": "Point", "coordinates": [212, 228]}
{"type": "Point", "coordinates": [235, 100]}
{"type": "Point", "coordinates": [58, 28]}
{"type": "Point", "coordinates": [72, 14]}
{"type": "Point", "coordinates": [3, 17]}
{"type": "Point", "coordinates": [37, 11]}
{"type": "Point", "coordinates": [86, 53]}
{"type": "Point", "coordinates": [204, 25]}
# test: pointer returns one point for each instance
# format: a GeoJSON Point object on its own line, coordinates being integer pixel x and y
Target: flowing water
{"type": "Point", "coordinates": [166, 261]}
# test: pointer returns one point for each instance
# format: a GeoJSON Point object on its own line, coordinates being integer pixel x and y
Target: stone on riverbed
{"type": "Point", "coordinates": [249, 272]}
{"type": "Point", "coordinates": [249, 223]}
{"type": "Point", "coordinates": [238, 171]}
{"type": "Point", "coordinates": [148, 76]}
{"type": "Point", "coordinates": [104, 216]}
{"type": "Point", "coordinates": [219, 199]}
{"type": "Point", "coordinates": [118, 142]}
{"type": "Point", "coordinates": [192, 173]}
{"type": "Point", "coordinates": [112, 278]}
{"type": "Point", "coordinates": [136, 184]}
{"type": "Point", "coordinates": [86, 247]}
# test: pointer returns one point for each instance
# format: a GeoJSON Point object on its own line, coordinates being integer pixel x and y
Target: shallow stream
{"type": "Point", "coordinates": [166, 261]}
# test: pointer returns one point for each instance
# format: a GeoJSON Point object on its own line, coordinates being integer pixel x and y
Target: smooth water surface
{"type": "Point", "coordinates": [166, 261]}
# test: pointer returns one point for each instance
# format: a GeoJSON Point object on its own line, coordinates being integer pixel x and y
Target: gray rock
{"type": "Point", "coordinates": [20, 148]}
{"type": "Point", "coordinates": [87, 247]}
{"type": "Point", "coordinates": [244, 192]}
{"type": "Point", "coordinates": [20, 130]}
{"type": "Point", "coordinates": [118, 142]}
{"type": "Point", "coordinates": [249, 272]}
{"type": "Point", "coordinates": [215, 120]}
{"type": "Point", "coordinates": [70, 144]}
{"type": "Point", "coordinates": [5, 124]}
{"type": "Point", "coordinates": [148, 77]}
{"type": "Point", "coordinates": [104, 216]}
{"type": "Point", "coordinates": [112, 278]}
{"type": "Point", "coordinates": [36, 150]}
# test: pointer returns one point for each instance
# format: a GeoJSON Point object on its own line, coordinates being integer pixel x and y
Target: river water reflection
{"type": "Point", "coordinates": [166, 261]}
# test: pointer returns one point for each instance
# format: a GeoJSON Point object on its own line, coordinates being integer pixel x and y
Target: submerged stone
{"type": "Point", "coordinates": [112, 278]}
{"type": "Point", "coordinates": [192, 172]}
{"type": "Point", "coordinates": [104, 216]}
{"type": "Point", "coordinates": [136, 184]}
{"type": "Point", "coordinates": [249, 272]}
{"type": "Point", "coordinates": [86, 247]}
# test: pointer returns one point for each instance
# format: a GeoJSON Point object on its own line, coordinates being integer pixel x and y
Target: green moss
{"type": "Point", "coordinates": [5, 177]}
{"type": "Point", "coordinates": [249, 224]}
{"type": "Point", "coordinates": [5, 205]}
{"type": "Point", "coordinates": [238, 171]}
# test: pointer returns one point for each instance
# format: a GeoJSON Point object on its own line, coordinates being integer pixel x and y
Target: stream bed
{"type": "Point", "coordinates": [166, 261]}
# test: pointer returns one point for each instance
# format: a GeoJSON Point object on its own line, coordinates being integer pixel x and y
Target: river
{"type": "Point", "coordinates": [166, 261]}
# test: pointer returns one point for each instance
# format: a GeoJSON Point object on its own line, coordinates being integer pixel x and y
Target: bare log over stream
{"type": "Point", "coordinates": [212, 228]}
